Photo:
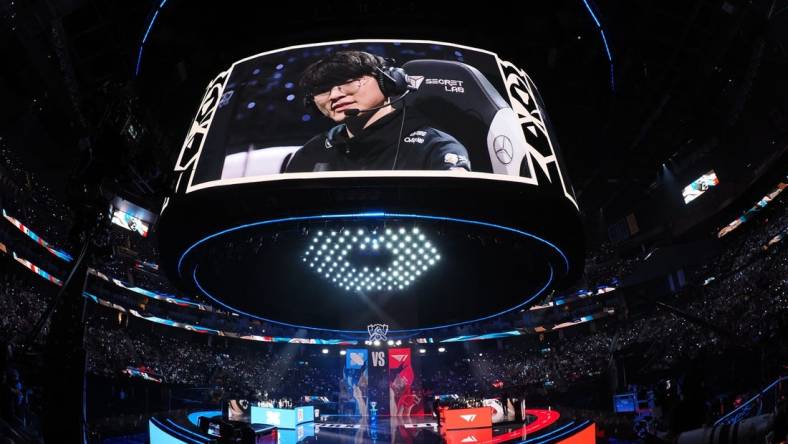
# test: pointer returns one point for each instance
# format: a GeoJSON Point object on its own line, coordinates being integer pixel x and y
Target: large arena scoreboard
{"type": "Point", "coordinates": [452, 206]}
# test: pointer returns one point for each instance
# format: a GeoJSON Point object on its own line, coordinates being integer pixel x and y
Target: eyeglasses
{"type": "Point", "coordinates": [349, 87]}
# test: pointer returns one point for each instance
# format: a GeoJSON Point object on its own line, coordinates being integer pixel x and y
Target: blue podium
{"type": "Point", "coordinates": [282, 418]}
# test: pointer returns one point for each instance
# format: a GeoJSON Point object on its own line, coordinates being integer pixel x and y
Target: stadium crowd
{"type": "Point", "coordinates": [259, 371]}
{"type": "Point", "coordinates": [748, 304]}
{"type": "Point", "coordinates": [740, 298]}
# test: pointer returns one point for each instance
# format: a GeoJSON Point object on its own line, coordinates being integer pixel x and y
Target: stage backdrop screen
{"type": "Point", "coordinates": [313, 111]}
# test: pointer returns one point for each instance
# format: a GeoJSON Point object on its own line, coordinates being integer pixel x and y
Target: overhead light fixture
{"type": "Point", "coordinates": [441, 349]}
{"type": "Point", "coordinates": [353, 262]}
{"type": "Point", "coordinates": [325, 351]}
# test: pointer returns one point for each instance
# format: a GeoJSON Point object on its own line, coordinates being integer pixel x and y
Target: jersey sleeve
{"type": "Point", "coordinates": [445, 152]}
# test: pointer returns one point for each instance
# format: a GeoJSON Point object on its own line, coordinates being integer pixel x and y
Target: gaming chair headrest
{"type": "Point", "coordinates": [458, 99]}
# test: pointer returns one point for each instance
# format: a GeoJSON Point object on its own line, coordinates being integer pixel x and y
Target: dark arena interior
{"type": "Point", "coordinates": [416, 222]}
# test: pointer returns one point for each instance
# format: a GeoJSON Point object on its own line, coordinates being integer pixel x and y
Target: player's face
{"type": "Point", "coordinates": [362, 93]}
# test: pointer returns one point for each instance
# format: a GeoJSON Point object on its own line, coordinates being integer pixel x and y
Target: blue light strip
{"type": "Point", "coordinates": [498, 335]}
{"type": "Point", "coordinates": [145, 36]}
{"type": "Point", "coordinates": [607, 48]}
{"type": "Point", "coordinates": [150, 26]}
{"type": "Point", "coordinates": [139, 61]}
{"type": "Point", "coordinates": [763, 392]}
{"type": "Point", "coordinates": [370, 215]}
{"type": "Point", "coordinates": [553, 432]}
{"type": "Point", "coordinates": [593, 16]}
{"type": "Point", "coordinates": [412, 330]}
{"type": "Point", "coordinates": [604, 42]}
{"type": "Point", "coordinates": [542, 439]}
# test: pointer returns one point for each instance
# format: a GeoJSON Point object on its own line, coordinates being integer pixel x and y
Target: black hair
{"type": "Point", "coordinates": [337, 69]}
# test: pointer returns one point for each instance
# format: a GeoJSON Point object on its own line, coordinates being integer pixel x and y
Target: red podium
{"type": "Point", "coordinates": [454, 419]}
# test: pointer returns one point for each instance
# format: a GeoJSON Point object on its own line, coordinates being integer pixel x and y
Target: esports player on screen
{"type": "Point", "coordinates": [376, 131]}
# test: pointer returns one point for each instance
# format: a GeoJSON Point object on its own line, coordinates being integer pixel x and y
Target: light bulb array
{"type": "Point", "coordinates": [329, 254]}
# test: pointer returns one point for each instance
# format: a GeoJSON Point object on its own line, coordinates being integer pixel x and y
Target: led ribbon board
{"type": "Point", "coordinates": [59, 253]}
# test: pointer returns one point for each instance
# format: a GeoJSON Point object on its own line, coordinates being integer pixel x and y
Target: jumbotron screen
{"type": "Point", "coordinates": [700, 186]}
{"type": "Point", "coordinates": [131, 217]}
{"type": "Point", "coordinates": [418, 108]}
{"type": "Point", "coordinates": [347, 178]}
{"type": "Point", "coordinates": [130, 223]}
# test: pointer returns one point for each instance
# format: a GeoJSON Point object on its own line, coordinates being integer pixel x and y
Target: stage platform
{"type": "Point", "coordinates": [541, 427]}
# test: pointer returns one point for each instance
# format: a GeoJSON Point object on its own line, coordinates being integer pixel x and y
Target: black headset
{"type": "Point", "coordinates": [392, 81]}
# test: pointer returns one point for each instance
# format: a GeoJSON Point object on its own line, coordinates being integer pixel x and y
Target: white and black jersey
{"type": "Point", "coordinates": [414, 145]}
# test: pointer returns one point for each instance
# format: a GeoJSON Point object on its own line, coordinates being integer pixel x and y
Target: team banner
{"type": "Point", "coordinates": [355, 380]}
{"type": "Point", "coordinates": [403, 401]}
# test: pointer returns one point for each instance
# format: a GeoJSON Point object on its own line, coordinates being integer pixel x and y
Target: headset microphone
{"type": "Point", "coordinates": [353, 112]}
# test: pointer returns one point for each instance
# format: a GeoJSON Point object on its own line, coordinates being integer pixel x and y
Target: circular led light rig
{"type": "Point", "coordinates": [467, 216]}
{"type": "Point", "coordinates": [380, 260]}
{"type": "Point", "coordinates": [348, 270]}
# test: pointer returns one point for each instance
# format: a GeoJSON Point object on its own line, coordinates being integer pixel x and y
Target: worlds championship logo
{"type": "Point", "coordinates": [377, 332]}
